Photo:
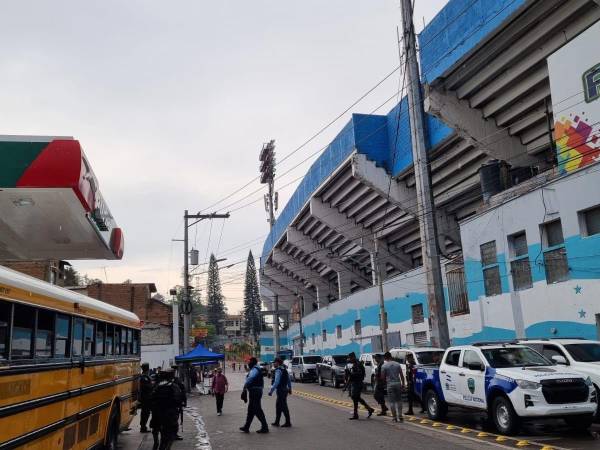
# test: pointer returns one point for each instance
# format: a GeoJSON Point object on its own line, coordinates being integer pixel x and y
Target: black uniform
{"type": "Point", "coordinates": [380, 389]}
{"type": "Point", "coordinates": [166, 400]}
{"type": "Point", "coordinates": [254, 386]}
{"type": "Point", "coordinates": [144, 397]}
{"type": "Point", "coordinates": [355, 374]}
{"type": "Point", "coordinates": [282, 390]}
{"type": "Point", "coordinates": [410, 385]}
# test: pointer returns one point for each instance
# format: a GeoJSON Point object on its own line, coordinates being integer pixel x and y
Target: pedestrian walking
{"type": "Point", "coordinates": [410, 382]}
{"type": "Point", "coordinates": [355, 374]}
{"type": "Point", "coordinates": [144, 394]}
{"type": "Point", "coordinates": [253, 391]}
{"type": "Point", "coordinates": [165, 401]}
{"type": "Point", "coordinates": [220, 386]}
{"type": "Point", "coordinates": [283, 386]}
{"type": "Point", "coordinates": [392, 371]}
{"type": "Point", "coordinates": [379, 392]}
{"type": "Point", "coordinates": [183, 396]}
{"type": "Point", "coordinates": [193, 377]}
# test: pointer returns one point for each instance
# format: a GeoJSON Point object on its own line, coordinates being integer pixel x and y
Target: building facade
{"type": "Point", "coordinates": [512, 100]}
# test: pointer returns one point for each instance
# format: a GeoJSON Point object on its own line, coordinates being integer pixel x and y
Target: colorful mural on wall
{"type": "Point", "coordinates": [575, 88]}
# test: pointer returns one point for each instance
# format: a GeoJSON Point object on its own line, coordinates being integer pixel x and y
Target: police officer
{"type": "Point", "coordinates": [355, 374]}
{"type": "Point", "coordinates": [380, 386]}
{"type": "Point", "coordinates": [253, 389]}
{"type": "Point", "coordinates": [283, 386]}
{"type": "Point", "coordinates": [178, 381]}
{"type": "Point", "coordinates": [165, 402]}
{"type": "Point", "coordinates": [410, 382]}
{"type": "Point", "coordinates": [144, 394]}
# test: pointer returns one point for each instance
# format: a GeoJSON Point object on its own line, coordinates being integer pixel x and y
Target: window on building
{"type": "Point", "coordinates": [78, 336]}
{"type": "Point", "coordinates": [520, 267]}
{"type": "Point", "coordinates": [100, 337]}
{"type": "Point", "coordinates": [61, 340]}
{"type": "Point", "coordinates": [457, 288]}
{"type": "Point", "coordinates": [491, 270]}
{"type": "Point", "coordinates": [589, 221]}
{"type": "Point", "coordinates": [88, 341]}
{"type": "Point", "coordinates": [324, 334]}
{"type": "Point", "coordinates": [5, 316]}
{"type": "Point", "coordinates": [357, 327]}
{"type": "Point", "coordinates": [555, 254]}
{"type": "Point", "coordinates": [338, 331]}
{"type": "Point", "coordinates": [22, 332]}
{"type": "Point", "coordinates": [417, 313]}
{"type": "Point", "coordinates": [44, 334]}
{"type": "Point", "coordinates": [313, 339]}
{"type": "Point", "coordinates": [109, 348]}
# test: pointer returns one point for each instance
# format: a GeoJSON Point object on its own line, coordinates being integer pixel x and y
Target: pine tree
{"type": "Point", "coordinates": [215, 308]}
{"type": "Point", "coordinates": [251, 300]}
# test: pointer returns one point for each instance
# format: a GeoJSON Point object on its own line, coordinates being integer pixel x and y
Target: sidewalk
{"type": "Point", "coordinates": [194, 433]}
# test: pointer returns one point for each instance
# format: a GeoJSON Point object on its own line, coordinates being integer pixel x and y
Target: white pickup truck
{"type": "Point", "coordinates": [578, 354]}
{"type": "Point", "coordinates": [510, 382]}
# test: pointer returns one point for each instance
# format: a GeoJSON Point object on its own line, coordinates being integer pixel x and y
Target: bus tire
{"type": "Point", "coordinates": [504, 416]}
{"type": "Point", "coordinates": [112, 430]}
{"type": "Point", "coordinates": [435, 406]}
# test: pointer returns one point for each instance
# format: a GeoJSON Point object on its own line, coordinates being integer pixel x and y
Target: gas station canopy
{"type": "Point", "coordinates": [50, 203]}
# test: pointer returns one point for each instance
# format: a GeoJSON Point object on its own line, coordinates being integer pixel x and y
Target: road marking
{"type": "Point", "coordinates": [489, 438]}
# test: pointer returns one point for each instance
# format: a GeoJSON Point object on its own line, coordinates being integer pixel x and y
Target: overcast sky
{"type": "Point", "coordinates": [172, 100]}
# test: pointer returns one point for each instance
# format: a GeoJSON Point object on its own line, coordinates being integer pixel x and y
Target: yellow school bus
{"type": "Point", "coordinates": [69, 367]}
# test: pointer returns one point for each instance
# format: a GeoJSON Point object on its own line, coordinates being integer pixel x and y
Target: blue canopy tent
{"type": "Point", "coordinates": [199, 353]}
{"type": "Point", "coordinates": [204, 363]}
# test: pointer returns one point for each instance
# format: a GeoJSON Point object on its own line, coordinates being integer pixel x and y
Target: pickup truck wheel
{"type": "Point", "coordinates": [436, 407]}
{"type": "Point", "coordinates": [301, 378]}
{"type": "Point", "coordinates": [334, 381]}
{"type": "Point", "coordinates": [321, 381]}
{"type": "Point", "coordinates": [504, 416]}
{"type": "Point", "coordinates": [579, 423]}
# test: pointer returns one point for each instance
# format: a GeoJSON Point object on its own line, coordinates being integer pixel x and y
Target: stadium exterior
{"type": "Point", "coordinates": [512, 94]}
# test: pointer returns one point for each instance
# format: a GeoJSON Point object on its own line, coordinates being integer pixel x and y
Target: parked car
{"type": "Point", "coordinates": [581, 355]}
{"type": "Point", "coordinates": [304, 368]}
{"type": "Point", "coordinates": [509, 382]}
{"type": "Point", "coordinates": [369, 361]}
{"type": "Point", "coordinates": [332, 370]}
{"type": "Point", "coordinates": [424, 356]}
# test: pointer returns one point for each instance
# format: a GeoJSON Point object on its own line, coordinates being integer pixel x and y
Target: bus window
{"type": "Point", "coordinates": [129, 341]}
{"type": "Point", "coordinates": [136, 342]}
{"type": "Point", "coordinates": [117, 340]}
{"type": "Point", "coordinates": [5, 313]}
{"type": "Point", "coordinates": [61, 344]}
{"type": "Point", "coordinates": [44, 334]}
{"type": "Point", "coordinates": [109, 339]}
{"type": "Point", "coordinates": [78, 336]}
{"type": "Point", "coordinates": [100, 334]}
{"type": "Point", "coordinates": [123, 341]}
{"type": "Point", "coordinates": [23, 321]}
{"type": "Point", "coordinates": [88, 342]}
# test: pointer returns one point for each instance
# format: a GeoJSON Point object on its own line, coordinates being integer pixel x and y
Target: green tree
{"type": "Point", "coordinates": [251, 300]}
{"type": "Point", "coordinates": [215, 306]}
{"type": "Point", "coordinates": [72, 277]}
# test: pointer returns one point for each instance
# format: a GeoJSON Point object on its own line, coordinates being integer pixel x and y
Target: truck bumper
{"type": "Point", "coordinates": [531, 403]}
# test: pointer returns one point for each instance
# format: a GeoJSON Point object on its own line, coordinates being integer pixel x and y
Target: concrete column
{"type": "Point", "coordinates": [343, 279]}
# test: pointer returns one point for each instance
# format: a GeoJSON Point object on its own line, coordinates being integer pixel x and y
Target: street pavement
{"type": "Point", "coordinates": [320, 421]}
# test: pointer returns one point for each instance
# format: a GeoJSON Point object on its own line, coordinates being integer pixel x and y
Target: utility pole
{"type": "Point", "coordinates": [440, 336]}
{"type": "Point", "coordinates": [382, 314]}
{"type": "Point", "coordinates": [187, 304]}
{"type": "Point", "coordinates": [267, 176]}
